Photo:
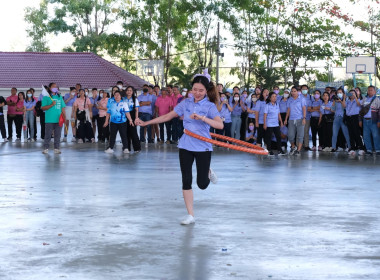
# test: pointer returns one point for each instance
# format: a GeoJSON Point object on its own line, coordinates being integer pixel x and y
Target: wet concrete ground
{"type": "Point", "coordinates": [88, 215]}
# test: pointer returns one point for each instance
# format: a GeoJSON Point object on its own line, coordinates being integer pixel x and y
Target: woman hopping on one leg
{"type": "Point", "coordinates": [199, 112]}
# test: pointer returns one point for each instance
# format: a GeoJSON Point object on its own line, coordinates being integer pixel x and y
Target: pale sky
{"type": "Point", "coordinates": [14, 38]}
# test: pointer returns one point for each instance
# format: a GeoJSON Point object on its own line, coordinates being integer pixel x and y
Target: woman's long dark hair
{"type": "Point", "coordinates": [18, 97]}
{"type": "Point", "coordinates": [133, 95]}
{"type": "Point", "coordinates": [212, 92]}
{"type": "Point", "coordinates": [269, 96]}
{"type": "Point", "coordinates": [29, 99]}
{"type": "Point", "coordinates": [262, 94]}
{"type": "Point", "coordinates": [233, 99]}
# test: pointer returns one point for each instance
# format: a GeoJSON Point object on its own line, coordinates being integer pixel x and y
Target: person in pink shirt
{"type": "Point", "coordinates": [11, 115]}
{"type": "Point", "coordinates": [164, 104]}
{"type": "Point", "coordinates": [103, 132]}
{"type": "Point", "coordinates": [19, 112]}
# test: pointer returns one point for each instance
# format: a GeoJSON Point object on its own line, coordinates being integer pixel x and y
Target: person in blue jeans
{"type": "Point", "coordinates": [145, 113]}
{"type": "Point", "coordinates": [371, 122]}
{"type": "Point", "coordinates": [339, 104]}
{"type": "Point", "coordinates": [237, 108]}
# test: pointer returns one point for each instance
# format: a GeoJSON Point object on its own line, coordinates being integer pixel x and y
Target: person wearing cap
{"type": "Point", "coordinates": [200, 113]}
{"type": "Point", "coordinates": [145, 113]}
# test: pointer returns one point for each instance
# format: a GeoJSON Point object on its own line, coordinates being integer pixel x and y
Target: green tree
{"type": "Point", "coordinates": [37, 27]}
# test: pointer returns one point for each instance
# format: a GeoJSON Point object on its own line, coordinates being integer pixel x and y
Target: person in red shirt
{"type": "Point", "coordinates": [11, 115]}
{"type": "Point", "coordinates": [164, 104]}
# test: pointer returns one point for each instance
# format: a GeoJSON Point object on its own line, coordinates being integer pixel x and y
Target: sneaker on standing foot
{"type": "Point", "coordinates": [297, 153]}
{"type": "Point", "coordinates": [188, 220]}
{"type": "Point", "coordinates": [57, 151]}
{"type": "Point", "coordinates": [212, 176]}
{"type": "Point", "coordinates": [292, 150]}
{"type": "Point", "coordinates": [361, 152]}
{"type": "Point", "coordinates": [80, 141]}
{"type": "Point", "coordinates": [5, 140]}
{"type": "Point", "coordinates": [110, 151]}
{"type": "Point", "coordinates": [281, 153]}
{"type": "Point", "coordinates": [73, 139]}
{"type": "Point", "coordinates": [46, 151]}
{"type": "Point", "coordinates": [270, 153]}
{"type": "Point", "coordinates": [313, 148]}
{"type": "Point", "coordinates": [126, 151]}
{"type": "Point", "coordinates": [64, 139]}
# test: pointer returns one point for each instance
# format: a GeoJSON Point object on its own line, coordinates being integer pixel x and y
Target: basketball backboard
{"type": "Point", "coordinates": [361, 65]}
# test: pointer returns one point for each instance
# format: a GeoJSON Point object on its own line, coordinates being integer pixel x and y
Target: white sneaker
{"type": "Point", "coordinates": [109, 151]}
{"type": "Point", "coordinates": [5, 140]}
{"type": "Point", "coordinates": [212, 176]}
{"type": "Point", "coordinates": [126, 151]}
{"type": "Point", "coordinates": [361, 153]}
{"type": "Point", "coordinates": [352, 153]}
{"type": "Point", "coordinates": [92, 140]}
{"type": "Point", "coordinates": [80, 141]}
{"type": "Point", "coordinates": [46, 151]}
{"type": "Point", "coordinates": [64, 139]}
{"type": "Point", "coordinates": [188, 220]}
{"type": "Point", "coordinates": [339, 149]}
{"type": "Point", "coordinates": [33, 140]}
{"type": "Point", "coordinates": [57, 151]}
{"type": "Point", "coordinates": [18, 140]}
{"type": "Point", "coordinates": [73, 139]}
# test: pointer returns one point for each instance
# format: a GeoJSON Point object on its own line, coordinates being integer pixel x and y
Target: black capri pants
{"type": "Point", "coordinates": [202, 161]}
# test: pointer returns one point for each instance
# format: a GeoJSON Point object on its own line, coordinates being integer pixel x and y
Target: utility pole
{"type": "Point", "coordinates": [217, 56]}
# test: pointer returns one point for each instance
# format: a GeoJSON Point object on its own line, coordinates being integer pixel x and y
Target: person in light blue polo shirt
{"type": "Point", "coordinates": [199, 112]}
{"type": "Point", "coordinates": [237, 106]}
{"type": "Point", "coordinates": [339, 104]}
{"type": "Point", "coordinates": [225, 110]}
{"type": "Point", "coordinates": [296, 117]}
{"type": "Point", "coordinates": [308, 100]}
{"type": "Point", "coordinates": [259, 116]}
{"type": "Point", "coordinates": [272, 122]}
{"type": "Point", "coordinates": [69, 101]}
{"type": "Point", "coordinates": [145, 113]}
{"type": "Point", "coordinates": [371, 122]}
{"type": "Point", "coordinates": [353, 105]}
{"type": "Point", "coordinates": [314, 119]}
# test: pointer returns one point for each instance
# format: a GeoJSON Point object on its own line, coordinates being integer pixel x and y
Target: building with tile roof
{"type": "Point", "coordinates": [32, 69]}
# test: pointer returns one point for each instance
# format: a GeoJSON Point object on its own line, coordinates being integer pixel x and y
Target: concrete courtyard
{"type": "Point", "coordinates": [85, 214]}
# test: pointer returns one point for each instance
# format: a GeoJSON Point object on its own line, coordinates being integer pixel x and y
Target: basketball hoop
{"type": "Point", "coordinates": [360, 72]}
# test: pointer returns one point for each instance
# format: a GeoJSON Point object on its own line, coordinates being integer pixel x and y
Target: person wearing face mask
{"type": "Point", "coordinates": [237, 109]}
{"type": "Point", "coordinates": [155, 127]}
{"type": "Point", "coordinates": [120, 88]}
{"type": "Point", "coordinates": [307, 97]}
{"type": "Point", "coordinates": [276, 90]}
{"type": "Point", "coordinates": [250, 135]}
{"type": "Point", "coordinates": [251, 105]}
{"type": "Point", "coordinates": [164, 104]}
{"type": "Point", "coordinates": [69, 99]}
{"type": "Point", "coordinates": [353, 106]}
{"type": "Point", "coordinates": [283, 104]}
{"type": "Point", "coordinates": [339, 104]}
{"type": "Point", "coordinates": [53, 106]}
{"type": "Point", "coordinates": [314, 119]}
{"type": "Point", "coordinates": [95, 110]}
{"type": "Point", "coordinates": [225, 110]}
{"type": "Point", "coordinates": [29, 104]}
{"type": "Point", "coordinates": [145, 113]}
{"type": "Point", "coordinates": [244, 114]}
{"type": "Point", "coordinates": [326, 119]}
{"type": "Point", "coordinates": [272, 123]}
{"type": "Point", "coordinates": [296, 117]}
{"type": "Point", "coordinates": [259, 116]}
{"type": "Point", "coordinates": [82, 112]}
{"type": "Point", "coordinates": [370, 121]}
{"type": "Point", "coordinates": [103, 132]}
